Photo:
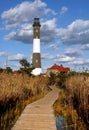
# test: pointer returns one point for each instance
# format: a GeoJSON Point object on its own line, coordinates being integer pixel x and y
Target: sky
{"type": "Point", "coordinates": [64, 32]}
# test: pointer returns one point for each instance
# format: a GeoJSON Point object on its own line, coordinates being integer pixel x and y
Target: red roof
{"type": "Point", "coordinates": [59, 68]}
{"type": "Point", "coordinates": [15, 72]}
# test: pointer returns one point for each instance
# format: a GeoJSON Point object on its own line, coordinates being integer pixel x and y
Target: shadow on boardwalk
{"type": "Point", "coordinates": [39, 115]}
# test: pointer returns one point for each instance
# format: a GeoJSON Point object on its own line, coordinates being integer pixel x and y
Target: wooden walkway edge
{"type": "Point", "coordinates": [39, 115]}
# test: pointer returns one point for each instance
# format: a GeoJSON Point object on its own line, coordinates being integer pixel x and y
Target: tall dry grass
{"type": "Point", "coordinates": [19, 85]}
{"type": "Point", "coordinates": [15, 92]}
{"type": "Point", "coordinates": [78, 95]}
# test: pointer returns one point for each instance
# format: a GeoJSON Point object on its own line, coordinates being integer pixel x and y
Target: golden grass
{"type": "Point", "coordinates": [78, 95]}
{"type": "Point", "coordinates": [16, 91]}
{"type": "Point", "coordinates": [79, 86]}
{"type": "Point", "coordinates": [73, 102]}
{"type": "Point", "coordinates": [70, 115]}
{"type": "Point", "coordinates": [15, 85]}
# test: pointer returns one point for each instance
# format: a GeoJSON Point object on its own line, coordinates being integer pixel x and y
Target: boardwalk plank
{"type": "Point", "coordinates": [39, 115]}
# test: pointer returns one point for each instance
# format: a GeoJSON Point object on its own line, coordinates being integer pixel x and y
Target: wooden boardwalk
{"type": "Point", "coordinates": [39, 115]}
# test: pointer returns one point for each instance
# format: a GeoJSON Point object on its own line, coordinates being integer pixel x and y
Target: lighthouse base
{"type": "Point", "coordinates": [36, 71]}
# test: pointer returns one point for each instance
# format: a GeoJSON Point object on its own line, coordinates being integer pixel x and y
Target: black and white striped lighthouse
{"type": "Point", "coordinates": [36, 59]}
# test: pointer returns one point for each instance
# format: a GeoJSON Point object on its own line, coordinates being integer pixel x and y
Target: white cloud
{"type": "Point", "coordinates": [78, 25]}
{"type": "Point", "coordinates": [80, 62]}
{"type": "Point", "coordinates": [64, 9]}
{"type": "Point", "coordinates": [10, 36]}
{"type": "Point", "coordinates": [25, 12]}
{"type": "Point", "coordinates": [49, 24]}
{"type": "Point", "coordinates": [75, 33]}
{"type": "Point", "coordinates": [3, 54]}
{"type": "Point", "coordinates": [53, 47]}
{"type": "Point", "coordinates": [25, 33]}
{"type": "Point", "coordinates": [49, 11]}
{"type": "Point", "coordinates": [48, 30]}
{"type": "Point", "coordinates": [47, 57]}
{"type": "Point", "coordinates": [60, 58]}
{"type": "Point", "coordinates": [85, 47]}
{"type": "Point", "coordinates": [73, 52]}
{"type": "Point", "coordinates": [63, 58]}
{"type": "Point", "coordinates": [16, 57]}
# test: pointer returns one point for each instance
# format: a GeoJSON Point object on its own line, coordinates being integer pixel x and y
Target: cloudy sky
{"type": "Point", "coordinates": [64, 32]}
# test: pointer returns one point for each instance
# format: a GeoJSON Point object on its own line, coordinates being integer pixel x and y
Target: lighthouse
{"type": "Point", "coordinates": [36, 58]}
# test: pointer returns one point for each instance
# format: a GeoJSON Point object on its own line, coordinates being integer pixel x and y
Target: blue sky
{"type": "Point", "coordinates": [64, 32]}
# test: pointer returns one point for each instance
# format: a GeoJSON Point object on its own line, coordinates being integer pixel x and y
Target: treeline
{"type": "Point", "coordinates": [25, 68]}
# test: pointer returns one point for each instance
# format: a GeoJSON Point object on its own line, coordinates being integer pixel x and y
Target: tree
{"type": "Point", "coordinates": [8, 70]}
{"type": "Point", "coordinates": [62, 76]}
{"type": "Point", "coordinates": [26, 67]}
{"type": "Point", "coordinates": [52, 78]}
{"type": "Point", "coordinates": [25, 63]}
{"type": "Point", "coordinates": [1, 70]}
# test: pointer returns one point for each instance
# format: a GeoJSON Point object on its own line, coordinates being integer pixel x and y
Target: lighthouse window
{"type": "Point", "coordinates": [36, 61]}
{"type": "Point", "coordinates": [36, 30]}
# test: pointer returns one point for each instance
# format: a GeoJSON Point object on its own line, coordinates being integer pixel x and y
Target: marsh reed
{"type": "Point", "coordinates": [16, 91]}
{"type": "Point", "coordinates": [78, 95]}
